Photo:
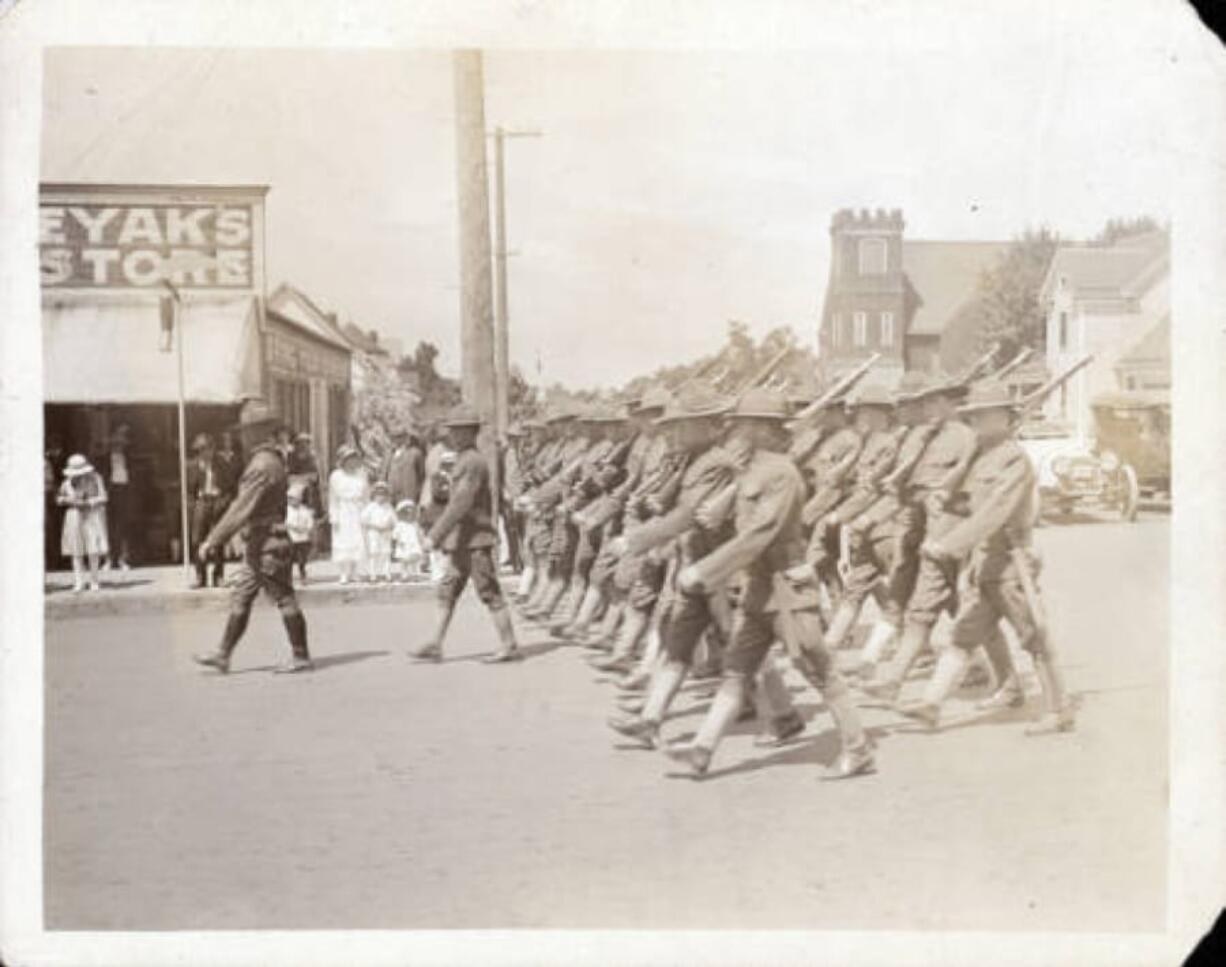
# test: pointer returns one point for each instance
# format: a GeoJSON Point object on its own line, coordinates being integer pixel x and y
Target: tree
{"type": "Point", "coordinates": [1009, 293]}
{"type": "Point", "coordinates": [1120, 228]}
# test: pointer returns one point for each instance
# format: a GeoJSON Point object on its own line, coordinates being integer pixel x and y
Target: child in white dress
{"type": "Point", "coordinates": [378, 523]}
{"type": "Point", "coordinates": [300, 524]}
{"type": "Point", "coordinates": [406, 541]}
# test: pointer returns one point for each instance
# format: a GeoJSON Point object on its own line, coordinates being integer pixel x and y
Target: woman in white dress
{"type": "Point", "coordinates": [84, 535]}
{"type": "Point", "coordinates": [348, 494]}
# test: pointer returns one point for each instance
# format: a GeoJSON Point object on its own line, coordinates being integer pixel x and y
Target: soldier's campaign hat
{"type": "Point", "coordinates": [873, 394]}
{"type": "Point", "coordinates": [912, 382]}
{"type": "Point", "coordinates": [760, 403]}
{"type": "Point", "coordinates": [560, 415]}
{"type": "Point", "coordinates": [988, 394]}
{"type": "Point", "coordinates": [655, 399]}
{"type": "Point", "coordinates": [462, 415]}
{"type": "Point", "coordinates": [693, 402]}
{"type": "Point", "coordinates": [938, 385]}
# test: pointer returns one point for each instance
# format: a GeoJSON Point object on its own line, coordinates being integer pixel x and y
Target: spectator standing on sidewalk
{"type": "Point", "coordinates": [116, 469]}
{"type": "Point", "coordinates": [83, 494]}
{"type": "Point", "coordinates": [204, 490]}
{"type": "Point", "coordinates": [348, 494]}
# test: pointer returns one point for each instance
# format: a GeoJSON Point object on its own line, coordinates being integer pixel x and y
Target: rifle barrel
{"type": "Point", "coordinates": [840, 387]}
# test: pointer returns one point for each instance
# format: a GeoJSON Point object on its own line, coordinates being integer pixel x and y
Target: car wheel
{"type": "Point", "coordinates": [1130, 493]}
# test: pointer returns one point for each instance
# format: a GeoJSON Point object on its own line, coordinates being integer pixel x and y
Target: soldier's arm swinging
{"type": "Point", "coordinates": [463, 494]}
{"type": "Point", "coordinates": [1010, 490]}
{"type": "Point", "coordinates": [250, 488]}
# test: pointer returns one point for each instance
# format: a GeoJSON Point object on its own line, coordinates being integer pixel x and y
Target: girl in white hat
{"type": "Point", "coordinates": [406, 541]}
{"type": "Point", "coordinates": [84, 535]}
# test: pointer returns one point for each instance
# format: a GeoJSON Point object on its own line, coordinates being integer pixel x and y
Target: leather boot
{"type": "Point", "coordinates": [579, 625]}
{"type": "Point", "coordinates": [606, 633]}
{"type": "Point", "coordinates": [914, 640]}
{"type": "Point", "coordinates": [997, 650]}
{"type": "Point", "coordinates": [856, 756]}
{"type": "Point", "coordinates": [236, 624]}
{"type": "Point", "coordinates": [775, 708]}
{"type": "Point", "coordinates": [296, 628]}
{"type": "Point", "coordinates": [568, 607]}
{"type": "Point", "coordinates": [432, 650]}
{"type": "Point", "coordinates": [506, 635]}
{"type": "Point", "coordinates": [950, 667]}
{"type": "Point", "coordinates": [842, 624]}
{"type": "Point", "coordinates": [1059, 715]}
{"type": "Point", "coordinates": [634, 625]}
{"type": "Point", "coordinates": [665, 684]}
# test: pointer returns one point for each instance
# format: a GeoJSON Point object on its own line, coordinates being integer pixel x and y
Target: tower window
{"type": "Point", "coordinates": [887, 329]}
{"type": "Point", "coordinates": [836, 324]}
{"type": "Point", "coordinates": [873, 256]}
{"type": "Point", "coordinates": [860, 324]}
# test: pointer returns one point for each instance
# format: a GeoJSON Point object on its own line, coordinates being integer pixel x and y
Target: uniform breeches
{"type": "Point", "coordinates": [936, 582]}
{"type": "Point", "coordinates": [985, 603]}
{"type": "Point", "coordinates": [478, 564]}
{"type": "Point", "coordinates": [688, 617]}
{"type": "Point", "coordinates": [267, 566]}
{"type": "Point", "coordinates": [563, 543]}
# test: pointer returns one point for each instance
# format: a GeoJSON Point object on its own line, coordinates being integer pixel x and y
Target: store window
{"type": "Point", "coordinates": [873, 257]}
{"type": "Point", "coordinates": [292, 399]}
{"type": "Point", "coordinates": [860, 328]}
{"type": "Point", "coordinates": [887, 329]}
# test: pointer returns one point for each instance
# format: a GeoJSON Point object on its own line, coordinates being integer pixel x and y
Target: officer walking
{"type": "Point", "coordinates": [465, 530]}
{"type": "Point", "coordinates": [258, 510]}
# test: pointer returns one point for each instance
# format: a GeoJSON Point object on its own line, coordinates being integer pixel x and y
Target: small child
{"type": "Point", "coordinates": [406, 541]}
{"type": "Point", "coordinates": [378, 524]}
{"type": "Point", "coordinates": [300, 523]}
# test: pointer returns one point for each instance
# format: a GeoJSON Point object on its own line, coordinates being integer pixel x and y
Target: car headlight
{"type": "Point", "coordinates": [1110, 461]}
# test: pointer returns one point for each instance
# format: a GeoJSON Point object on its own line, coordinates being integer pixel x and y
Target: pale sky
{"type": "Point", "coordinates": [670, 192]}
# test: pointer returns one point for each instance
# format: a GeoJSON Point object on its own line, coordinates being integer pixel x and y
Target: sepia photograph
{"type": "Point", "coordinates": [605, 489]}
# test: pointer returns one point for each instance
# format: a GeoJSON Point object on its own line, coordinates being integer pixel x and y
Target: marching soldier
{"type": "Point", "coordinates": [927, 489]}
{"type": "Point", "coordinates": [610, 511]}
{"type": "Point", "coordinates": [692, 424]}
{"type": "Point", "coordinates": [996, 536]}
{"type": "Point", "coordinates": [779, 598]}
{"type": "Point", "coordinates": [466, 531]}
{"type": "Point", "coordinates": [258, 510]}
{"type": "Point", "coordinates": [851, 477]}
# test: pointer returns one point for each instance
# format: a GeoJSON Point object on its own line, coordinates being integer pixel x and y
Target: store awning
{"type": "Point", "coordinates": [107, 351]}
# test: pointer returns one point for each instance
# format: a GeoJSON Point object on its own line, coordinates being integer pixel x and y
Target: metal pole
{"type": "Point", "coordinates": [502, 372]}
{"type": "Point", "coordinates": [184, 532]}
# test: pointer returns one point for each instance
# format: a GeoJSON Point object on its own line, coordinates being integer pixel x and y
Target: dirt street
{"type": "Point", "coordinates": [381, 794]}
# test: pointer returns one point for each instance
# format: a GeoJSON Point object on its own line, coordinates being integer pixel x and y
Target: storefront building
{"type": "Point", "coordinates": [156, 293]}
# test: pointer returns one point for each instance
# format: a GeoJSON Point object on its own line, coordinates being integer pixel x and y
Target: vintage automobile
{"type": "Point", "coordinates": [1127, 461]}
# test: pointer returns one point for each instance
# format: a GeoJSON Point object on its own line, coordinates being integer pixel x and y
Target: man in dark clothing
{"type": "Point", "coordinates": [206, 491]}
{"type": "Point", "coordinates": [259, 509]}
{"type": "Point", "coordinates": [405, 468]}
{"type": "Point", "coordinates": [465, 530]}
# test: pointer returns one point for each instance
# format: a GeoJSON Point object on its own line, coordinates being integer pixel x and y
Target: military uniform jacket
{"type": "Point", "coordinates": [805, 441]}
{"type": "Point", "coordinates": [570, 462]}
{"type": "Point", "coordinates": [468, 519]}
{"type": "Point", "coordinates": [999, 492]}
{"type": "Point", "coordinates": [611, 503]}
{"type": "Point", "coordinates": [259, 505]}
{"type": "Point", "coordinates": [877, 459]}
{"type": "Point", "coordinates": [944, 462]}
{"type": "Point", "coordinates": [769, 538]}
{"type": "Point", "coordinates": [828, 470]}
{"type": "Point", "coordinates": [704, 475]}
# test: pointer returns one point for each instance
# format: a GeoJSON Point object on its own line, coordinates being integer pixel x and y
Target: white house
{"type": "Point", "coordinates": [1114, 302]}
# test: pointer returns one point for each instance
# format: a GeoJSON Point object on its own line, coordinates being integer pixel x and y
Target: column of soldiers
{"type": "Point", "coordinates": [694, 524]}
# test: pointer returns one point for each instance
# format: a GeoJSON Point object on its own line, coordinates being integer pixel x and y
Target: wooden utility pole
{"type": "Point", "coordinates": [472, 189]}
{"type": "Point", "coordinates": [502, 362]}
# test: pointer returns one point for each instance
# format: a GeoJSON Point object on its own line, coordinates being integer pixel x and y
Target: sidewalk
{"type": "Point", "coordinates": [167, 590]}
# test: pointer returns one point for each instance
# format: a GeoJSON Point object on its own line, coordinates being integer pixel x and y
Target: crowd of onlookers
{"type": "Point", "coordinates": [367, 516]}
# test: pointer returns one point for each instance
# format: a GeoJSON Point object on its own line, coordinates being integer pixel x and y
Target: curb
{"type": "Point", "coordinates": [66, 606]}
